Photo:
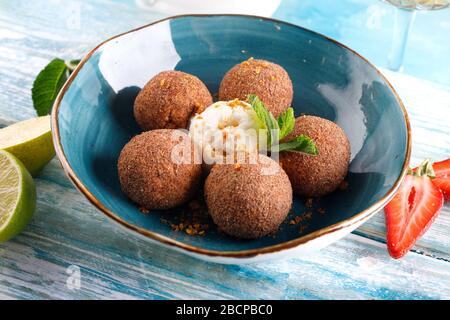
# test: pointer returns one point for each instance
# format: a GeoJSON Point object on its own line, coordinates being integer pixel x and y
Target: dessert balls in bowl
{"type": "Point", "coordinates": [114, 119]}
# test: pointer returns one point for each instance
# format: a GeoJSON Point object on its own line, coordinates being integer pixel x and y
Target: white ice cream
{"type": "Point", "coordinates": [225, 129]}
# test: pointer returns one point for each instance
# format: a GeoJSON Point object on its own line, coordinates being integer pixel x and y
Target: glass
{"type": "Point", "coordinates": [403, 21]}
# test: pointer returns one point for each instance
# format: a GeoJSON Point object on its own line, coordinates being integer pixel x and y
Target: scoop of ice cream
{"type": "Point", "coordinates": [225, 131]}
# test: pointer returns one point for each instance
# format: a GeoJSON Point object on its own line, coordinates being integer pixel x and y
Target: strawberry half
{"type": "Point", "coordinates": [442, 180]}
{"type": "Point", "coordinates": [413, 209]}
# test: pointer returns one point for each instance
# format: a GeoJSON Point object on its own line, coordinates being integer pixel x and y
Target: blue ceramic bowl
{"type": "Point", "coordinates": [93, 119]}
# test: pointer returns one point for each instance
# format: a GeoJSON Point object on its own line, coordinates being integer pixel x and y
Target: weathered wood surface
{"type": "Point", "coordinates": [67, 230]}
{"type": "Point", "coordinates": [428, 107]}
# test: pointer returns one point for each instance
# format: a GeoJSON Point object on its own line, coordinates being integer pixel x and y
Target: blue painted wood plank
{"type": "Point", "coordinates": [114, 264]}
{"type": "Point", "coordinates": [67, 230]}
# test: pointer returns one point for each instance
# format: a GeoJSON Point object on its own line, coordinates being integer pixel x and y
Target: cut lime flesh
{"type": "Point", "coordinates": [17, 196]}
{"type": "Point", "coordinates": [30, 141]}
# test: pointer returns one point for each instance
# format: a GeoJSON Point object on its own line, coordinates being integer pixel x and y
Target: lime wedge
{"type": "Point", "coordinates": [17, 196]}
{"type": "Point", "coordinates": [30, 141]}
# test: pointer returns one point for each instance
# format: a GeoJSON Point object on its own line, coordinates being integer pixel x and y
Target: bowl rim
{"type": "Point", "coordinates": [247, 253]}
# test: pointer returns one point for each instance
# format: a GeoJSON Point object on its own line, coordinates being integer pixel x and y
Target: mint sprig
{"type": "Point", "coordinates": [278, 129]}
{"type": "Point", "coordinates": [301, 143]}
{"type": "Point", "coordinates": [266, 118]}
{"type": "Point", "coordinates": [49, 82]}
{"type": "Point", "coordinates": [286, 122]}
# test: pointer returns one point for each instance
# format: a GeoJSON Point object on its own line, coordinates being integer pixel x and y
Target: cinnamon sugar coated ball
{"type": "Point", "coordinates": [317, 175]}
{"type": "Point", "coordinates": [269, 81]}
{"type": "Point", "coordinates": [149, 177]}
{"type": "Point", "coordinates": [248, 201]}
{"type": "Point", "coordinates": [169, 100]}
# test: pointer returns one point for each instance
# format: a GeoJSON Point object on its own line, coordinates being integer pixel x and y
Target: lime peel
{"type": "Point", "coordinates": [30, 141]}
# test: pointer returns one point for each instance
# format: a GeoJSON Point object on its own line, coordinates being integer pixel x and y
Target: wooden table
{"type": "Point", "coordinates": [68, 234]}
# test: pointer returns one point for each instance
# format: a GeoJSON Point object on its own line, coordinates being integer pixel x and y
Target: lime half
{"type": "Point", "coordinates": [30, 141]}
{"type": "Point", "coordinates": [17, 196]}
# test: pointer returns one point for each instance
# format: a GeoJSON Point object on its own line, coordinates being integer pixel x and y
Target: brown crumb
{"type": "Point", "coordinates": [233, 103]}
{"type": "Point", "coordinates": [343, 185]}
{"type": "Point", "coordinates": [221, 125]}
{"type": "Point", "coordinates": [191, 219]}
{"type": "Point", "coordinates": [198, 108]}
{"type": "Point", "coordinates": [309, 203]}
{"type": "Point", "coordinates": [301, 218]}
{"type": "Point", "coordinates": [321, 210]}
{"type": "Point", "coordinates": [303, 227]}
{"type": "Point", "coordinates": [144, 210]}
{"type": "Point", "coordinates": [237, 103]}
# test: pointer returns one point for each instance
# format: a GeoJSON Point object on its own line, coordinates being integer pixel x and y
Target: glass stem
{"type": "Point", "coordinates": [403, 22]}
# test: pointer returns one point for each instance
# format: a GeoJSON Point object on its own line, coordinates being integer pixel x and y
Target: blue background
{"type": "Point", "coordinates": [366, 26]}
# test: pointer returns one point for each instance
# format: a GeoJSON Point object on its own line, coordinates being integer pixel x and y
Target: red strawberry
{"type": "Point", "coordinates": [413, 209]}
{"type": "Point", "coordinates": [442, 180]}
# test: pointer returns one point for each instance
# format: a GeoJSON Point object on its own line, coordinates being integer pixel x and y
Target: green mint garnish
{"type": "Point", "coordinates": [267, 119]}
{"type": "Point", "coordinates": [301, 143]}
{"type": "Point", "coordinates": [286, 122]}
{"type": "Point", "coordinates": [48, 83]}
{"type": "Point", "coordinates": [279, 129]}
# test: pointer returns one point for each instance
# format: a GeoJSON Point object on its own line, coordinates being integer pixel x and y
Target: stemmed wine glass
{"type": "Point", "coordinates": [404, 18]}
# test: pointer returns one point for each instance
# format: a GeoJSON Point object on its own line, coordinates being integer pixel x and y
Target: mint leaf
{"type": "Point", "coordinates": [48, 83]}
{"type": "Point", "coordinates": [286, 122]}
{"type": "Point", "coordinates": [266, 117]}
{"type": "Point", "coordinates": [302, 143]}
